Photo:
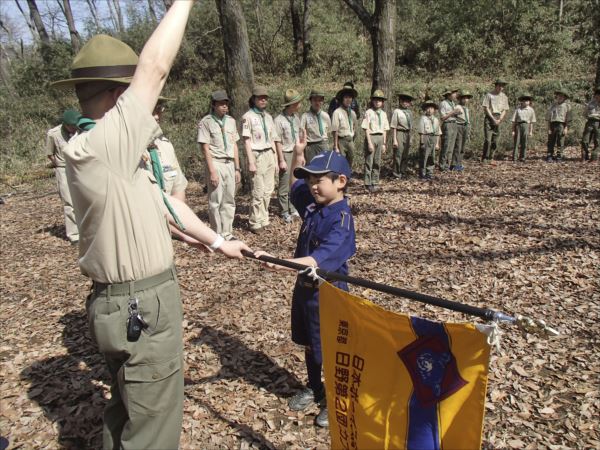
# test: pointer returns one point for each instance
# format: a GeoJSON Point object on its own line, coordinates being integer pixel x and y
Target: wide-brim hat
{"type": "Point", "coordinates": [260, 91]}
{"type": "Point", "coordinates": [427, 103]}
{"type": "Point", "coordinates": [315, 93]}
{"type": "Point", "coordinates": [102, 58]}
{"type": "Point", "coordinates": [219, 96]}
{"type": "Point", "coordinates": [347, 90]}
{"type": "Point", "coordinates": [378, 94]}
{"type": "Point", "coordinates": [501, 82]}
{"type": "Point", "coordinates": [325, 162]}
{"type": "Point", "coordinates": [290, 97]}
{"type": "Point", "coordinates": [562, 91]}
{"type": "Point", "coordinates": [525, 96]}
{"type": "Point", "coordinates": [405, 96]}
{"type": "Point", "coordinates": [465, 94]}
{"type": "Point", "coordinates": [448, 91]}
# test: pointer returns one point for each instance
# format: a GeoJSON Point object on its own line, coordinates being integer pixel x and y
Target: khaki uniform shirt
{"type": "Point", "coordinates": [211, 133]}
{"type": "Point", "coordinates": [402, 120]}
{"type": "Point", "coordinates": [592, 110]}
{"type": "Point", "coordinates": [497, 104]}
{"type": "Point", "coordinates": [310, 122]}
{"type": "Point", "coordinates": [124, 234]}
{"type": "Point", "coordinates": [56, 141]}
{"type": "Point", "coordinates": [447, 107]}
{"type": "Point", "coordinates": [174, 179]}
{"type": "Point", "coordinates": [526, 115]}
{"type": "Point", "coordinates": [464, 115]}
{"type": "Point", "coordinates": [559, 112]}
{"type": "Point", "coordinates": [252, 127]}
{"type": "Point", "coordinates": [375, 121]}
{"type": "Point", "coordinates": [283, 125]}
{"type": "Point", "coordinates": [429, 125]}
{"type": "Point", "coordinates": [341, 123]}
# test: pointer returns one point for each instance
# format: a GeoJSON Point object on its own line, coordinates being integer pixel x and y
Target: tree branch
{"type": "Point", "coordinates": [360, 11]}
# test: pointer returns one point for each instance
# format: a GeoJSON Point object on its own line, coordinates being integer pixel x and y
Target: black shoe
{"type": "Point", "coordinates": [558, 159]}
{"type": "Point", "coordinates": [302, 400]}
{"type": "Point", "coordinates": [549, 158]}
{"type": "Point", "coordinates": [322, 419]}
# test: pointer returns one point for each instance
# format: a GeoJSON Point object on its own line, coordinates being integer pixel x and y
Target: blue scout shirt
{"type": "Point", "coordinates": [327, 232]}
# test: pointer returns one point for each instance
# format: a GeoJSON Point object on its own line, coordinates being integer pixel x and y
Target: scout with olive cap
{"type": "Point", "coordinates": [134, 309]}
{"type": "Point", "coordinates": [162, 161]}
{"type": "Point", "coordinates": [289, 135]}
{"type": "Point", "coordinates": [376, 126]}
{"type": "Point", "coordinates": [316, 126]}
{"type": "Point", "coordinates": [448, 113]}
{"type": "Point", "coordinates": [463, 128]}
{"type": "Point", "coordinates": [558, 117]}
{"type": "Point", "coordinates": [429, 139]}
{"type": "Point", "coordinates": [56, 141]}
{"type": "Point", "coordinates": [218, 136]}
{"type": "Point", "coordinates": [591, 130]}
{"type": "Point", "coordinates": [259, 134]}
{"type": "Point", "coordinates": [495, 106]}
{"type": "Point", "coordinates": [522, 126]}
{"type": "Point", "coordinates": [343, 123]}
{"type": "Point", "coordinates": [402, 121]}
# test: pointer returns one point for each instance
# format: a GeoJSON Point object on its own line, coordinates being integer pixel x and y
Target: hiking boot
{"type": "Point", "coordinates": [322, 419]}
{"type": "Point", "coordinates": [302, 400]}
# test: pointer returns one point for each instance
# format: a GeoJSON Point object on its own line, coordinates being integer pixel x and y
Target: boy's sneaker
{"type": "Point", "coordinates": [302, 400]}
{"type": "Point", "coordinates": [322, 419]}
{"type": "Point", "coordinates": [549, 158]}
{"type": "Point", "coordinates": [287, 217]}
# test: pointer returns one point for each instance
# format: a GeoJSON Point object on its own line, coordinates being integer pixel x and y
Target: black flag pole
{"type": "Point", "coordinates": [491, 315]}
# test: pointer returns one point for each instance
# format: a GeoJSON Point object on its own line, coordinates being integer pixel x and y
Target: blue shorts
{"type": "Point", "coordinates": [306, 328]}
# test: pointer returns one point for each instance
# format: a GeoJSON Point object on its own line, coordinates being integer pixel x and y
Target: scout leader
{"type": "Point", "coordinates": [429, 139]}
{"type": "Point", "coordinates": [558, 117]}
{"type": "Point", "coordinates": [289, 132]}
{"type": "Point", "coordinates": [162, 161]}
{"type": "Point", "coordinates": [218, 136]}
{"type": "Point", "coordinates": [592, 128]}
{"type": "Point", "coordinates": [376, 126]}
{"type": "Point", "coordinates": [495, 106]}
{"type": "Point", "coordinates": [523, 119]}
{"type": "Point", "coordinates": [343, 123]}
{"type": "Point", "coordinates": [316, 126]}
{"type": "Point", "coordinates": [448, 113]}
{"type": "Point", "coordinates": [463, 128]}
{"type": "Point", "coordinates": [134, 308]}
{"type": "Point", "coordinates": [258, 131]}
{"type": "Point", "coordinates": [56, 141]}
{"type": "Point", "coordinates": [401, 125]}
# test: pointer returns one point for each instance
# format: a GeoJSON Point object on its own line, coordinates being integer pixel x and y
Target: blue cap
{"type": "Point", "coordinates": [325, 162]}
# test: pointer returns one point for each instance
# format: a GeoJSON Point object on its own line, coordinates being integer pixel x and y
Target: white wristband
{"type": "Point", "coordinates": [218, 242]}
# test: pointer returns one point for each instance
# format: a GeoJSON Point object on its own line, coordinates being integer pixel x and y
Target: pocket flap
{"type": "Point", "coordinates": [152, 372]}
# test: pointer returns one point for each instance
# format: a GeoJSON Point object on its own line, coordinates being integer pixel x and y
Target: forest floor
{"type": "Point", "coordinates": [519, 237]}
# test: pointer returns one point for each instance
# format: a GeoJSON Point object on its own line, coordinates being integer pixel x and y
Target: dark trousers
{"type": "Point", "coordinates": [590, 135]}
{"type": "Point", "coordinates": [401, 153]}
{"type": "Point", "coordinates": [448, 144]}
{"type": "Point", "coordinates": [427, 155]}
{"type": "Point", "coordinates": [462, 137]}
{"type": "Point", "coordinates": [490, 138]}
{"type": "Point", "coordinates": [556, 138]}
{"type": "Point", "coordinates": [520, 144]}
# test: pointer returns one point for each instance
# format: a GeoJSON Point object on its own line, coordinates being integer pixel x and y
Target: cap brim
{"type": "Point", "coordinates": [293, 102]}
{"type": "Point", "coordinates": [304, 172]}
{"type": "Point", "coordinates": [379, 98]}
{"type": "Point", "coordinates": [71, 82]}
{"type": "Point", "coordinates": [352, 92]}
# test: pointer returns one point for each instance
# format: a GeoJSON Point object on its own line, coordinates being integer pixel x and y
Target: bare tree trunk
{"type": "Point", "coordinates": [94, 11]}
{"type": "Point", "coordinates": [28, 22]}
{"type": "Point", "coordinates": [306, 35]}
{"type": "Point", "coordinates": [119, 16]}
{"type": "Point", "coordinates": [152, 11]}
{"type": "Point", "coordinates": [239, 74]}
{"type": "Point", "coordinates": [113, 16]}
{"type": "Point", "coordinates": [36, 18]}
{"type": "Point", "coordinates": [597, 80]}
{"type": "Point", "coordinates": [75, 38]}
{"type": "Point", "coordinates": [296, 28]}
{"type": "Point", "coordinates": [382, 28]}
{"type": "Point", "coordinates": [4, 68]}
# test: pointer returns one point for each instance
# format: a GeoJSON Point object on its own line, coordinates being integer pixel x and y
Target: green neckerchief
{"type": "Point", "coordinates": [349, 111]}
{"type": "Point", "coordinates": [466, 110]}
{"type": "Point", "coordinates": [408, 118]}
{"type": "Point", "coordinates": [261, 113]}
{"type": "Point", "coordinates": [378, 111]}
{"type": "Point", "coordinates": [221, 123]}
{"type": "Point", "coordinates": [319, 120]}
{"type": "Point", "coordinates": [291, 122]}
{"type": "Point", "coordinates": [157, 170]}
{"type": "Point", "coordinates": [431, 118]}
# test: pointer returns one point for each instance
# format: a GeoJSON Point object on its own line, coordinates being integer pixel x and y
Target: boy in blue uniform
{"type": "Point", "coordinates": [327, 241]}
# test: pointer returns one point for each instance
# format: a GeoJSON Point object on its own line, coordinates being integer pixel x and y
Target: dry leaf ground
{"type": "Point", "coordinates": [524, 238]}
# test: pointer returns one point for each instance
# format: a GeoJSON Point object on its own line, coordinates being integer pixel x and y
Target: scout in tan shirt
{"type": "Point", "coordinates": [429, 139]}
{"type": "Point", "coordinates": [56, 141]}
{"type": "Point", "coordinates": [316, 125]}
{"type": "Point", "coordinates": [134, 309]}
{"type": "Point", "coordinates": [402, 124]}
{"type": "Point", "coordinates": [259, 133]}
{"type": "Point", "coordinates": [448, 113]}
{"type": "Point", "coordinates": [376, 125]}
{"type": "Point", "coordinates": [558, 117]}
{"type": "Point", "coordinates": [523, 119]}
{"type": "Point", "coordinates": [343, 124]}
{"type": "Point", "coordinates": [218, 136]}
{"type": "Point", "coordinates": [463, 128]}
{"type": "Point", "coordinates": [289, 134]}
{"type": "Point", "coordinates": [592, 128]}
{"type": "Point", "coordinates": [495, 106]}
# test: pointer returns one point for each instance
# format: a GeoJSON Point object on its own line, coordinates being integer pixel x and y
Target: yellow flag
{"type": "Point", "coordinates": [395, 381]}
